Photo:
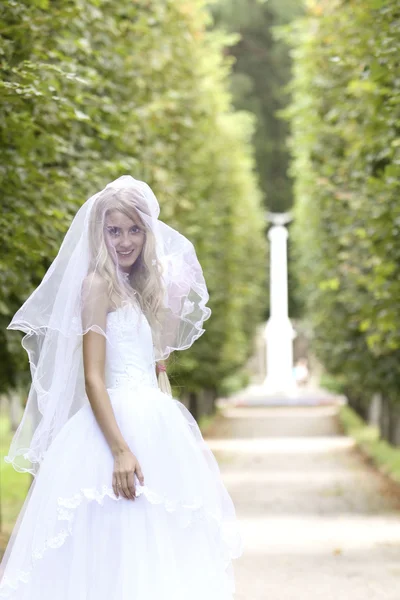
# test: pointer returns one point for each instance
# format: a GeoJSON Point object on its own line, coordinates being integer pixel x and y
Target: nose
{"type": "Point", "coordinates": [125, 242]}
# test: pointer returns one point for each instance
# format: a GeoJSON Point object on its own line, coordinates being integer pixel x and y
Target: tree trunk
{"type": "Point", "coordinates": [193, 405]}
{"type": "Point", "coordinates": [375, 410]}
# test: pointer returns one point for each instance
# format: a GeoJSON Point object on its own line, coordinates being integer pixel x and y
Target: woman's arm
{"type": "Point", "coordinates": [94, 356]}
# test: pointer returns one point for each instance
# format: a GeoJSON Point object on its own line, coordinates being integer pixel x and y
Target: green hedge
{"type": "Point", "coordinates": [345, 145]}
{"type": "Point", "coordinates": [93, 89]}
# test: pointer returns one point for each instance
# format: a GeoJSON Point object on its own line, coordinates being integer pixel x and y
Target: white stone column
{"type": "Point", "coordinates": [279, 332]}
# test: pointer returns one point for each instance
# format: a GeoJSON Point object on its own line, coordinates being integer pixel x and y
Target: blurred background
{"type": "Point", "coordinates": [230, 110]}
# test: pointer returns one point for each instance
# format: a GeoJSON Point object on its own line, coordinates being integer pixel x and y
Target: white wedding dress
{"type": "Point", "coordinates": [75, 540]}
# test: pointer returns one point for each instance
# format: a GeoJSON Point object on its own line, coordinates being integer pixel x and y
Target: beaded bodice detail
{"type": "Point", "coordinates": [130, 360]}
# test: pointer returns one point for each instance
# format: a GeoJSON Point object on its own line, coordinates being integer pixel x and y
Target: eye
{"type": "Point", "coordinates": [113, 230]}
{"type": "Point", "coordinates": [135, 229]}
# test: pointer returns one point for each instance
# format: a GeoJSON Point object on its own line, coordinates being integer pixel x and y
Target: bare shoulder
{"type": "Point", "coordinates": [94, 282]}
{"type": "Point", "coordinates": [95, 293]}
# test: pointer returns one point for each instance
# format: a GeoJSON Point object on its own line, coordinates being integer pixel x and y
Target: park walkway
{"type": "Point", "coordinates": [318, 522]}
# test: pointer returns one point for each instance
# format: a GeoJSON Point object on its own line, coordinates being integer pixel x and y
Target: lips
{"type": "Point", "coordinates": [125, 253]}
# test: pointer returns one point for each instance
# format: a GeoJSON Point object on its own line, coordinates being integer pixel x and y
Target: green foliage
{"type": "Point", "coordinates": [336, 385]}
{"type": "Point", "coordinates": [261, 72]}
{"type": "Point", "coordinates": [93, 89]}
{"type": "Point", "coordinates": [383, 454]}
{"type": "Point", "coordinates": [345, 144]}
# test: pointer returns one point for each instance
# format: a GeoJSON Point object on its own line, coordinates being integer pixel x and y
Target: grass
{"type": "Point", "coordinates": [13, 486]}
{"type": "Point", "coordinates": [385, 456]}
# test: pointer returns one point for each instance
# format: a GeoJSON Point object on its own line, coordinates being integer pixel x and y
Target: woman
{"type": "Point", "coordinates": [127, 500]}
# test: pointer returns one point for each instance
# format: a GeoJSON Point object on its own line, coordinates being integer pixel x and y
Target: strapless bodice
{"type": "Point", "coordinates": [130, 360]}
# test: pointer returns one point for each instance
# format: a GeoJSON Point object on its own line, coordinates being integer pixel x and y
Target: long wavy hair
{"type": "Point", "coordinates": [145, 283]}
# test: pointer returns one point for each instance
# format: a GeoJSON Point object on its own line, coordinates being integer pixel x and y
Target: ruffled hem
{"type": "Point", "coordinates": [192, 512]}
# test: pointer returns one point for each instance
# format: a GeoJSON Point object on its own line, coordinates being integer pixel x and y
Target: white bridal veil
{"type": "Point", "coordinates": [166, 281]}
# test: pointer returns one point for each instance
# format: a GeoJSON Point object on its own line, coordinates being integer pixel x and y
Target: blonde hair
{"type": "Point", "coordinates": [145, 283]}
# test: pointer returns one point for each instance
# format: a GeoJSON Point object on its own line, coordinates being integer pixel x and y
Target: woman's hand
{"type": "Point", "coordinates": [125, 466]}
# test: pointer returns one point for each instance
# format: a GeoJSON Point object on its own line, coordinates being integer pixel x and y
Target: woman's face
{"type": "Point", "coordinates": [125, 236]}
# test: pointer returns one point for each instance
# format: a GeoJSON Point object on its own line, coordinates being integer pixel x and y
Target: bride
{"type": "Point", "coordinates": [127, 500]}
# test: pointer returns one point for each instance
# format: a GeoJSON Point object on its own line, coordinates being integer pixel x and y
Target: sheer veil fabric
{"type": "Point", "coordinates": [166, 281]}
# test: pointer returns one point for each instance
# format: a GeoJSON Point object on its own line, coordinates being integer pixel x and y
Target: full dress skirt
{"type": "Point", "coordinates": [76, 540]}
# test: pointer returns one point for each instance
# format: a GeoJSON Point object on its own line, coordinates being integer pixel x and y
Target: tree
{"type": "Point", "coordinates": [260, 75]}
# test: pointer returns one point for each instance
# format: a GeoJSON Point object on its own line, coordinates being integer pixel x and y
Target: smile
{"type": "Point", "coordinates": [125, 253]}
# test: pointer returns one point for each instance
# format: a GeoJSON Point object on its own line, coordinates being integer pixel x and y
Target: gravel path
{"type": "Point", "coordinates": [318, 522]}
